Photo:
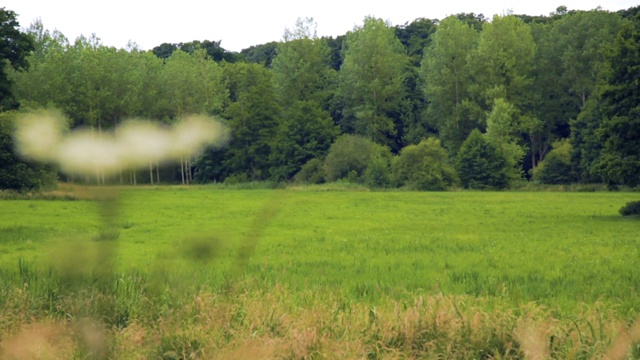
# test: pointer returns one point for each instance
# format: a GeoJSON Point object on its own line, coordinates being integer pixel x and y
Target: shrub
{"type": "Point", "coordinates": [423, 167]}
{"type": "Point", "coordinates": [480, 165]}
{"type": "Point", "coordinates": [632, 208]}
{"type": "Point", "coordinates": [377, 173]}
{"type": "Point", "coordinates": [556, 167]}
{"type": "Point", "coordinates": [312, 172]}
{"type": "Point", "coordinates": [350, 155]}
{"type": "Point", "coordinates": [236, 178]}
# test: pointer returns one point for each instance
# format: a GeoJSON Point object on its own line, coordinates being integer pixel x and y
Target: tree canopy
{"type": "Point", "coordinates": [563, 86]}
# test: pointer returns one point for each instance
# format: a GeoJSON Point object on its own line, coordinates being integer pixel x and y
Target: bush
{"type": "Point", "coordinates": [236, 178]}
{"type": "Point", "coordinates": [556, 167]}
{"type": "Point", "coordinates": [480, 165]}
{"type": "Point", "coordinates": [350, 156]}
{"type": "Point", "coordinates": [377, 173]}
{"type": "Point", "coordinates": [632, 208]}
{"type": "Point", "coordinates": [423, 167]}
{"type": "Point", "coordinates": [312, 172]}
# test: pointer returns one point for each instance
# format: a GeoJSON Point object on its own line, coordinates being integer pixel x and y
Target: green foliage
{"type": "Point", "coordinates": [305, 132]}
{"type": "Point", "coordinates": [585, 142]}
{"type": "Point", "coordinates": [631, 208]}
{"type": "Point", "coordinates": [502, 130]}
{"type": "Point", "coordinates": [253, 115]}
{"type": "Point", "coordinates": [16, 173]}
{"type": "Point", "coordinates": [14, 48]}
{"type": "Point", "coordinates": [521, 79]}
{"type": "Point", "coordinates": [301, 68]}
{"type": "Point", "coordinates": [350, 156]}
{"type": "Point", "coordinates": [556, 168]}
{"type": "Point", "coordinates": [423, 167]}
{"type": "Point", "coordinates": [193, 84]}
{"type": "Point", "coordinates": [480, 164]}
{"type": "Point", "coordinates": [581, 42]}
{"type": "Point", "coordinates": [620, 159]}
{"type": "Point", "coordinates": [263, 54]}
{"type": "Point", "coordinates": [416, 36]}
{"type": "Point", "coordinates": [446, 76]}
{"type": "Point", "coordinates": [502, 63]}
{"type": "Point", "coordinates": [377, 174]}
{"type": "Point", "coordinates": [311, 173]}
{"type": "Point", "coordinates": [619, 131]}
{"type": "Point", "coordinates": [213, 49]}
{"type": "Point", "coordinates": [164, 50]}
{"type": "Point", "coordinates": [371, 80]}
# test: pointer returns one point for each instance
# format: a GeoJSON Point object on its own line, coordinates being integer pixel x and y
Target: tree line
{"type": "Point", "coordinates": [467, 100]}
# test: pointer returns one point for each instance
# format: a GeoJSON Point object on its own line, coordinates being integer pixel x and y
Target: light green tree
{"type": "Point", "coordinates": [447, 78]}
{"type": "Point", "coordinates": [503, 129]}
{"type": "Point", "coordinates": [301, 67]}
{"type": "Point", "coordinates": [371, 81]}
{"type": "Point", "coordinates": [192, 83]}
{"type": "Point", "coordinates": [501, 65]}
{"type": "Point", "coordinates": [582, 42]}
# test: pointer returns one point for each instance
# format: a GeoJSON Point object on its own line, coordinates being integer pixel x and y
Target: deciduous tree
{"type": "Point", "coordinates": [371, 81]}
{"type": "Point", "coordinates": [14, 48]}
{"type": "Point", "coordinates": [447, 79]}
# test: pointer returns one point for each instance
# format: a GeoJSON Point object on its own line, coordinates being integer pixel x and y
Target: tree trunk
{"type": "Point", "coordinates": [533, 152]}
{"type": "Point", "coordinates": [182, 169]}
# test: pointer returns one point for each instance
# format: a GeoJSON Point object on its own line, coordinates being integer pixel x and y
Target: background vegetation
{"type": "Point", "coordinates": [531, 85]}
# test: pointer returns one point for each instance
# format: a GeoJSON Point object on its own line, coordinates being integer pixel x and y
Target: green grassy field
{"type": "Point", "coordinates": [365, 260]}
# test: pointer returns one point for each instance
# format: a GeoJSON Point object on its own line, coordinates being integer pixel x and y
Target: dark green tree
{"type": "Point", "coordinates": [476, 21]}
{"type": "Point", "coordinates": [253, 116]}
{"type": "Point", "coordinates": [618, 128]}
{"type": "Point", "coordinates": [416, 36]}
{"type": "Point", "coordinates": [213, 48]}
{"type": "Point", "coordinates": [586, 145]}
{"type": "Point", "coordinates": [261, 54]}
{"type": "Point", "coordinates": [336, 45]}
{"type": "Point", "coordinates": [16, 173]}
{"type": "Point", "coordinates": [164, 50]}
{"type": "Point", "coordinates": [480, 165]}
{"type": "Point", "coordinates": [14, 48]}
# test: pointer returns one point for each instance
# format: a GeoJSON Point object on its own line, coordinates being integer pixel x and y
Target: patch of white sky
{"type": "Point", "coordinates": [241, 24]}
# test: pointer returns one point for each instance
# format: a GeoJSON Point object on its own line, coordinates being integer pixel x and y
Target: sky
{"type": "Point", "coordinates": [241, 24]}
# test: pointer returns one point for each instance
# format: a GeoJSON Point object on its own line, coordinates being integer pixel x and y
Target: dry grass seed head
{"type": "Point", "coordinates": [39, 341]}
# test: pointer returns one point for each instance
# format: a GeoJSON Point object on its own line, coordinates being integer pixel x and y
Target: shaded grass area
{"type": "Point", "coordinates": [308, 273]}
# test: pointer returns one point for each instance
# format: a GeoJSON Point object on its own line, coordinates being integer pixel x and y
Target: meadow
{"type": "Point", "coordinates": [316, 272]}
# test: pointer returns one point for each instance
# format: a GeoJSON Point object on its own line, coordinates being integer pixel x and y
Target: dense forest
{"type": "Point", "coordinates": [464, 101]}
